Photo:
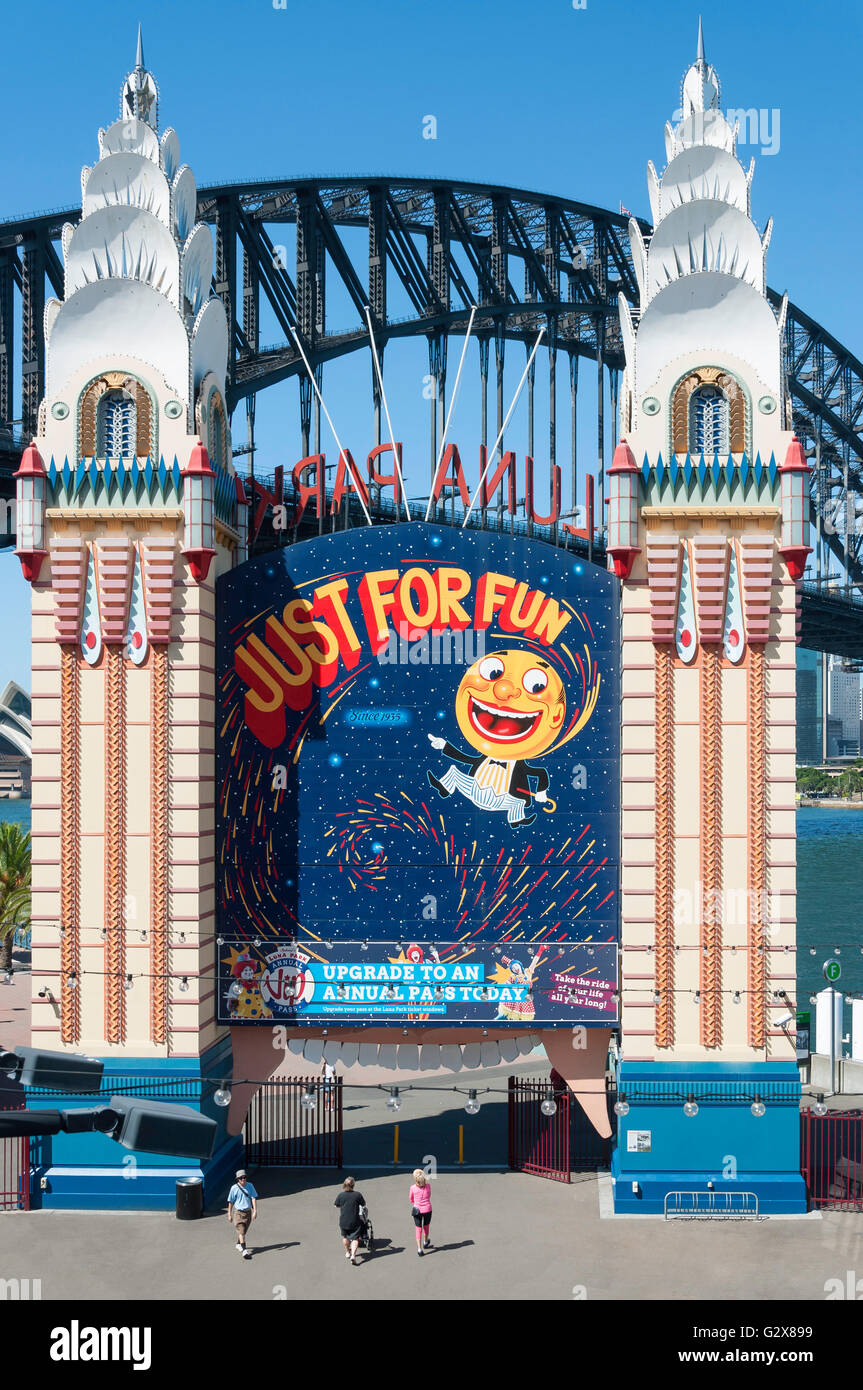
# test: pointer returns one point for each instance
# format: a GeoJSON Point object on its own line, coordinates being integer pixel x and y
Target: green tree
{"type": "Point", "coordinates": [14, 886]}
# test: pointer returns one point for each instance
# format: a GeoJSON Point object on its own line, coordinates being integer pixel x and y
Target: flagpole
{"type": "Point", "coordinates": [451, 405]}
{"type": "Point", "coordinates": [296, 337]}
{"type": "Point", "coordinates": [503, 426]}
{"type": "Point", "coordinates": [387, 412]}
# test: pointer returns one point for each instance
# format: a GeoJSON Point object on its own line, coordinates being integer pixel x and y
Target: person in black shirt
{"type": "Point", "coordinates": [350, 1224]}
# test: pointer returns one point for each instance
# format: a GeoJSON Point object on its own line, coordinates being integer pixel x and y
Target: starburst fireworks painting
{"type": "Point", "coordinates": [417, 746]}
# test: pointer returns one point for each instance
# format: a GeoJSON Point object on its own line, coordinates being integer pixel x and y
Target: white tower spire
{"type": "Point", "coordinates": [701, 274]}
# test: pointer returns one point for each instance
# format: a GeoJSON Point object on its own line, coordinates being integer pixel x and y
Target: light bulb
{"type": "Point", "coordinates": [690, 1109]}
{"type": "Point", "coordinates": [394, 1099]}
{"type": "Point", "coordinates": [819, 1107]}
{"type": "Point", "coordinates": [364, 946]}
{"type": "Point", "coordinates": [657, 997]}
{"type": "Point", "coordinates": [471, 1104]}
{"type": "Point", "coordinates": [223, 1095]}
{"type": "Point", "coordinates": [758, 1107]}
{"type": "Point", "coordinates": [549, 1105]}
{"type": "Point", "coordinates": [184, 984]}
{"type": "Point", "coordinates": [737, 996]}
{"type": "Point", "coordinates": [621, 1105]}
{"type": "Point", "coordinates": [72, 981]}
{"type": "Point", "coordinates": [127, 983]}
{"type": "Point", "coordinates": [307, 1099]}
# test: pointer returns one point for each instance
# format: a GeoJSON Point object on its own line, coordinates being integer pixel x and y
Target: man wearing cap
{"type": "Point", "coordinates": [242, 1209]}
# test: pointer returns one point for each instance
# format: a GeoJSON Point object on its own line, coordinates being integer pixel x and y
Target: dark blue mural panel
{"type": "Point", "coordinates": [418, 782]}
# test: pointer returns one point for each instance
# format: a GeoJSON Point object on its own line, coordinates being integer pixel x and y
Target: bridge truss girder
{"type": "Point", "coordinates": [525, 259]}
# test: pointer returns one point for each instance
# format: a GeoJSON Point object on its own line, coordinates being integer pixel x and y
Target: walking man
{"type": "Point", "coordinates": [242, 1209]}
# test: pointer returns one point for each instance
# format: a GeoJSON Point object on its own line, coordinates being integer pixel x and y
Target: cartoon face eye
{"type": "Point", "coordinates": [491, 668]}
{"type": "Point", "coordinates": [535, 681]}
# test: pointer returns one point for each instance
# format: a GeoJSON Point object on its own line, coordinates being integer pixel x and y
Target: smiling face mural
{"type": "Point", "coordinates": [511, 701]}
{"type": "Point", "coordinates": [397, 706]}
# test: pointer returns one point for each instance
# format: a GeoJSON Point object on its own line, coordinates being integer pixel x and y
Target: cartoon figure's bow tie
{"type": "Point", "coordinates": [496, 762]}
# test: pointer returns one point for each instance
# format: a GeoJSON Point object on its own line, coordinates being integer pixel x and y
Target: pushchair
{"type": "Point", "coordinates": [367, 1238]}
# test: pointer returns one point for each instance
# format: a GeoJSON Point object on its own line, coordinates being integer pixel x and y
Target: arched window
{"type": "Point", "coordinates": [116, 419]}
{"type": "Point", "coordinates": [117, 425]}
{"type": "Point", "coordinates": [708, 421]}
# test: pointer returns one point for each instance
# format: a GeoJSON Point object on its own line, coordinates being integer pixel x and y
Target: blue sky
{"type": "Point", "coordinates": [535, 95]}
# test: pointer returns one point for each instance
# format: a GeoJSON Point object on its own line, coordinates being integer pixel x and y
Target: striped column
{"type": "Point", "coordinates": [756, 582]}
{"type": "Point", "coordinates": [68, 578]}
{"type": "Point", "coordinates": [710, 557]}
{"type": "Point", "coordinates": [114, 577]}
{"type": "Point", "coordinates": [157, 565]}
{"type": "Point", "coordinates": [664, 562]}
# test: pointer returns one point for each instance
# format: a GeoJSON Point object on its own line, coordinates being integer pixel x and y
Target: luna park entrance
{"type": "Point", "coordinates": [300, 1122]}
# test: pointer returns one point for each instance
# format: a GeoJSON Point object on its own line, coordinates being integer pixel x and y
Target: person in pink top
{"type": "Point", "coordinates": [421, 1209]}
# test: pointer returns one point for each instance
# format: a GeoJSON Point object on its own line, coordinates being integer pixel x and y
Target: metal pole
{"type": "Point", "coordinates": [483, 375]}
{"type": "Point", "coordinates": [398, 466]}
{"type": "Point", "coordinates": [504, 425]}
{"type": "Point", "coordinates": [573, 405]}
{"type": "Point", "coordinates": [552, 424]}
{"type": "Point", "coordinates": [600, 429]}
{"type": "Point", "coordinates": [498, 358]}
{"type": "Point", "coordinates": [445, 431]}
{"type": "Point", "coordinates": [326, 412]}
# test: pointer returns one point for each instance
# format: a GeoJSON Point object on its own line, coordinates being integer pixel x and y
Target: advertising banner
{"type": "Point", "coordinates": [418, 782]}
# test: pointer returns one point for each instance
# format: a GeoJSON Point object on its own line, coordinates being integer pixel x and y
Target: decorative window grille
{"type": "Point", "coordinates": [218, 450]}
{"type": "Point", "coordinates": [117, 428]}
{"type": "Point", "coordinates": [708, 421]}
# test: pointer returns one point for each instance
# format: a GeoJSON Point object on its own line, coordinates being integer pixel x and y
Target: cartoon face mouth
{"type": "Point", "coordinates": [500, 725]}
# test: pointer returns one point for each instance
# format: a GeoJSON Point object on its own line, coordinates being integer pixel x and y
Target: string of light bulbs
{"type": "Point", "coordinates": [698, 993]}
{"type": "Point", "coordinates": [313, 1091]}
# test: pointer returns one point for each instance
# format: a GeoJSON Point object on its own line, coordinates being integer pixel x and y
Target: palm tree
{"type": "Point", "coordinates": [14, 886]}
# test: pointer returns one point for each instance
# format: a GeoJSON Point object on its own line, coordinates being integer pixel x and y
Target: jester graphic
{"type": "Point", "coordinates": [510, 706]}
{"type": "Point", "coordinates": [511, 971]}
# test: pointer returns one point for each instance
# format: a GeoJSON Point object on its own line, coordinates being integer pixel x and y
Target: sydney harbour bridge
{"type": "Point", "coordinates": [436, 249]}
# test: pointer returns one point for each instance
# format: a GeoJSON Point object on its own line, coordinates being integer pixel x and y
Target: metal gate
{"type": "Point", "coordinates": [14, 1173]}
{"type": "Point", "coordinates": [538, 1143]}
{"type": "Point", "coordinates": [282, 1133]}
{"type": "Point", "coordinates": [831, 1158]}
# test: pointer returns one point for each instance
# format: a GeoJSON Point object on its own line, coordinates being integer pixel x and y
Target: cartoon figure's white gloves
{"type": "Point", "coordinates": [541, 797]}
{"type": "Point", "coordinates": [436, 742]}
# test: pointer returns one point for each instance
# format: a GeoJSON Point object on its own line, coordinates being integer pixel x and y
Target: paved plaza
{"type": "Point", "coordinates": [497, 1235]}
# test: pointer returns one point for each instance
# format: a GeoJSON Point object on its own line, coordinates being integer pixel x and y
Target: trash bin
{"type": "Point", "coordinates": [190, 1199]}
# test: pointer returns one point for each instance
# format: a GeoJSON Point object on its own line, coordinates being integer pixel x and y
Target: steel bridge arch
{"type": "Point", "coordinates": [524, 258]}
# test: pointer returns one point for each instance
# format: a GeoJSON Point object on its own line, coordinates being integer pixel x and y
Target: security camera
{"type": "Point", "coordinates": [784, 1021]}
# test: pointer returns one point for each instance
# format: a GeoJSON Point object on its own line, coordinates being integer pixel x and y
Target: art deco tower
{"type": "Point", "coordinates": [128, 510]}
{"type": "Point", "coordinates": [708, 532]}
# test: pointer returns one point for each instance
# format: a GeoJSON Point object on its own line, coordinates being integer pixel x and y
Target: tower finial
{"type": "Point", "coordinates": [700, 54]}
{"type": "Point", "coordinates": [139, 56]}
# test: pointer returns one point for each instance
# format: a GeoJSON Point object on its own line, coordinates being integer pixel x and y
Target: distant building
{"type": "Point", "coordinates": [844, 706]}
{"type": "Point", "coordinates": [15, 741]}
{"type": "Point", "coordinates": [809, 713]}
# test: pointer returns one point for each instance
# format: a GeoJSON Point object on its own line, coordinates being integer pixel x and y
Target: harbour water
{"type": "Point", "coordinates": [829, 897]}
